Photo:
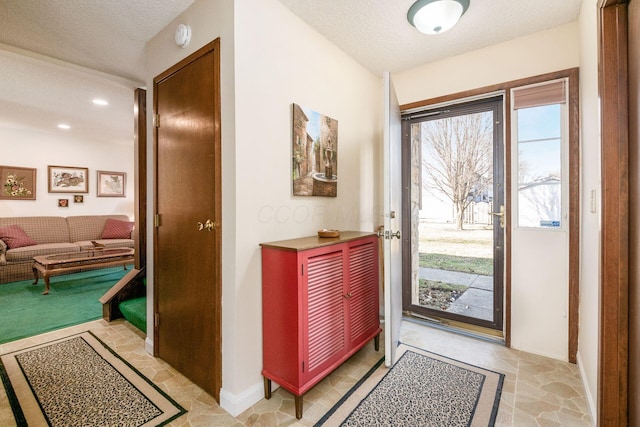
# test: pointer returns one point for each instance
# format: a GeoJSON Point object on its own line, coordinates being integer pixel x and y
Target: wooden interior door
{"type": "Point", "coordinates": [187, 246]}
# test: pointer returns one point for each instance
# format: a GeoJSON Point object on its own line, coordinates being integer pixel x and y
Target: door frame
{"type": "Point", "coordinates": [140, 177]}
{"type": "Point", "coordinates": [216, 293]}
{"type": "Point", "coordinates": [613, 75]}
{"type": "Point", "coordinates": [492, 103]}
{"type": "Point", "coordinates": [574, 187]}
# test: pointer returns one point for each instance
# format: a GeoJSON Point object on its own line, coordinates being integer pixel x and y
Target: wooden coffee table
{"type": "Point", "coordinates": [71, 262]}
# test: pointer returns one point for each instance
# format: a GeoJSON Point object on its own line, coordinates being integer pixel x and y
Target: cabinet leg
{"type": "Point", "coordinates": [298, 401]}
{"type": "Point", "coordinates": [376, 342]}
{"type": "Point", "coordinates": [267, 388]}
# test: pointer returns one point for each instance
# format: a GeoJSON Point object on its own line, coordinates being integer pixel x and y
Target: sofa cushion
{"type": "Point", "coordinates": [115, 229]}
{"type": "Point", "coordinates": [42, 229]}
{"type": "Point", "coordinates": [15, 237]}
{"type": "Point", "coordinates": [89, 227]}
{"type": "Point", "coordinates": [28, 252]}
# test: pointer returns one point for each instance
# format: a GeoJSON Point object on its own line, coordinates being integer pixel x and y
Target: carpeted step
{"type": "Point", "coordinates": [135, 312]}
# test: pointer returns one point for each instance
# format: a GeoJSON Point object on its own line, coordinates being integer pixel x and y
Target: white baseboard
{"type": "Point", "coordinates": [148, 345]}
{"type": "Point", "coordinates": [237, 404]}
{"type": "Point", "coordinates": [587, 390]}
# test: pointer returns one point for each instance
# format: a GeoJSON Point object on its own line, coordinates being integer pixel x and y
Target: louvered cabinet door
{"type": "Point", "coordinates": [319, 306]}
{"type": "Point", "coordinates": [325, 338]}
{"type": "Point", "coordinates": [363, 281]}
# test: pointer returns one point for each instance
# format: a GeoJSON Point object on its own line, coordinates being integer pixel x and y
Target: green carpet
{"type": "Point", "coordinates": [73, 299]}
{"type": "Point", "coordinates": [135, 311]}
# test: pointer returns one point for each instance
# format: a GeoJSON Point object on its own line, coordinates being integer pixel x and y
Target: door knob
{"type": "Point", "coordinates": [208, 225]}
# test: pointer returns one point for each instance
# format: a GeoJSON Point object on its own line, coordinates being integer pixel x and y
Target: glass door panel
{"type": "Point", "coordinates": [457, 214]}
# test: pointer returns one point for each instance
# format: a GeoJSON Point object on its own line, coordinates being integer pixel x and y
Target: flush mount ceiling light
{"type": "Point", "coordinates": [100, 102]}
{"type": "Point", "coordinates": [64, 126]}
{"type": "Point", "coordinates": [436, 16]}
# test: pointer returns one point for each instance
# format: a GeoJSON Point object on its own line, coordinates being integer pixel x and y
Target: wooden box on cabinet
{"type": "Point", "coordinates": [319, 306]}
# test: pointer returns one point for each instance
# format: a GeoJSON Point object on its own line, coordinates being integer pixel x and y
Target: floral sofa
{"type": "Point", "coordinates": [22, 238]}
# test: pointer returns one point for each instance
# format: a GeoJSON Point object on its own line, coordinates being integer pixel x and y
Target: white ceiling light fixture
{"type": "Point", "coordinates": [100, 102]}
{"type": "Point", "coordinates": [64, 126]}
{"type": "Point", "coordinates": [436, 16]}
{"type": "Point", "coordinates": [183, 35]}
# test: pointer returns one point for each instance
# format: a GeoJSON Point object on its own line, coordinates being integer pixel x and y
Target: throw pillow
{"type": "Point", "coordinates": [116, 229]}
{"type": "Point", "coordinates": [15, 237]}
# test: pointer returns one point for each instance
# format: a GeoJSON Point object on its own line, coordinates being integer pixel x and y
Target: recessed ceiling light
{"type": "Point", "coordinates": [64, 126]}
{"type": "Point", "coordinates": [100, 102]}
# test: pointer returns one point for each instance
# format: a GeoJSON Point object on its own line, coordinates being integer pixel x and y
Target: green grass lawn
{"type": "Point", "coordinates": [463, 264]}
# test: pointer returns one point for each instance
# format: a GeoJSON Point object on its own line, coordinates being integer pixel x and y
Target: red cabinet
{"type": "Point", "coordinates": [320, 304]}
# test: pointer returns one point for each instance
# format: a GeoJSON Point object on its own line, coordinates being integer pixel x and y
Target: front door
{"type": "Point", "coordinates": [454, 167]}
{"type": "Point", "coordinates": [187, 279]}
{"type": "Point", "coordinates": [392, 153]}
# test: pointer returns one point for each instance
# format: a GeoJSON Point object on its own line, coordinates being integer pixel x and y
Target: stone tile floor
{"type": "Point", "coordinates": [537, 391]}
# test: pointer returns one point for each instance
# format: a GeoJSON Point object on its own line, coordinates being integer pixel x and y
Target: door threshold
{"type": "Point", "coordinates": [465, 329]}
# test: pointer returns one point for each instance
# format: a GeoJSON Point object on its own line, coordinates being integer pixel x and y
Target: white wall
{"type": "Point", "coordinates": [539, 53]}
{"type": "Point", "coordinates": [590, 221]}
{"type": "Point", "coordinates": [271, 59]}
{"type": "Point", "coordinates": [279, 61]}
{"type": "Point", "coordinates": [33, 149]}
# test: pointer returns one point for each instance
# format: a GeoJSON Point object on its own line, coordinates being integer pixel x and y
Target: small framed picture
{"type": "Point", "coordinates": [111, 184]}
{"type": "Point", "coordinates": [68, 179]}
{"type": "Point", "coordinates": [17, 183]}
{"type": "Point", "coordinates": [78, 198]}
{"type": "Point", "coordinates": [63, 203]}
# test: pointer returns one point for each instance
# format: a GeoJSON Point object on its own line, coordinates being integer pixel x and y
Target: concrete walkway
{"type": "Point", "coordinates": [477, 301]}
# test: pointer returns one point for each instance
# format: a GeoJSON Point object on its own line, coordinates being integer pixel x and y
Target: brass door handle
{"type": "Point", "coordinates": [501, 215]}
{"type": "Point", "coordinates": [208, 225]}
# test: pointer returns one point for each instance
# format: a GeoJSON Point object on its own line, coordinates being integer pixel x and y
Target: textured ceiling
{"type": "Point", "coordinates": [376, 33]}
{"type": "Point", "coordinates": [37, 95]}
{"type": "Point", "coordinates": [55, 54]}
{"type": "Point", "coordinates": [104, 35]}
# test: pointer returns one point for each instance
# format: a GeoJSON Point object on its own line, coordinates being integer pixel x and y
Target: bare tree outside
{"type": "Point", "coordinates": [457, 159]}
